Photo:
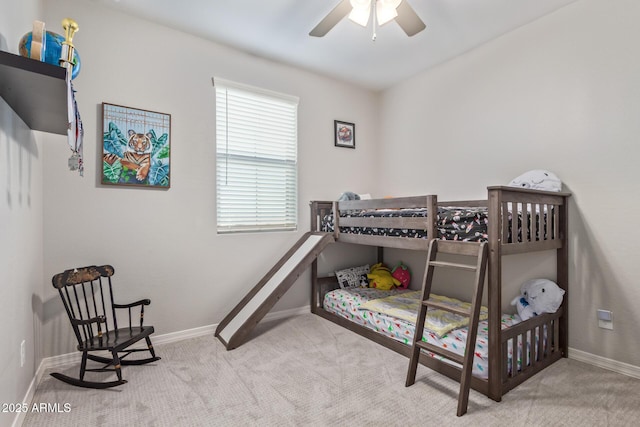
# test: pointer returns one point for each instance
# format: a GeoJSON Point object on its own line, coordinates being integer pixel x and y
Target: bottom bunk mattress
{"type": "Point", "coordinates": [361, 305]}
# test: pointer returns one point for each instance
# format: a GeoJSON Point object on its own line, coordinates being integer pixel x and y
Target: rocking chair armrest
{"type": "Point", "coordinates": [140, 303]}
{"type": "Point", "coordinates": [81, 322]}
{"type": "Point", "coordinates": [133, 304]}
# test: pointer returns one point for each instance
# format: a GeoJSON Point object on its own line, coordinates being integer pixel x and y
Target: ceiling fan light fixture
{"type": "Point", "coordinates": [386, 11]}
{"type": "Point", "coordinates": [360, 12]}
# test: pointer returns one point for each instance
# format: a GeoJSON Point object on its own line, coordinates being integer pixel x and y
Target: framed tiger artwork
{"type": "Point", "coordinates": [136, 147]}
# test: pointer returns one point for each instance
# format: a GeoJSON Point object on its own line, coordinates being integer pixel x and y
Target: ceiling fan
{"type": "Point", "coordinates": [360, 11]}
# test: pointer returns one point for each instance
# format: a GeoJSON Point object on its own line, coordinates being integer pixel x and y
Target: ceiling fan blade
{"type": "Point", "coordinates": [329, 21]}
{"type": "Point", "coordinates": [409, 20]}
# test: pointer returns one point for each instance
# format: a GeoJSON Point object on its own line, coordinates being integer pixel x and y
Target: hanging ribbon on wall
{"type": "Point", "coordinates": [75, 131]}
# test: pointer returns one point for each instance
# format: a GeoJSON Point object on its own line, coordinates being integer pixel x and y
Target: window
{"type": "Point", "coordinates": [256, 159]}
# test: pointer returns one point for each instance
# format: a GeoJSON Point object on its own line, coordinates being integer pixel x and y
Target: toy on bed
{"type": "Point", "coordinates": [538, 296]}
{"type": "Point", "coordinates": [380, 278]}
{"type": "Point", "coordinates": [538, 179]}
{"type": "Point", "coordinates": [348, 195]}
{"type": "Point", "coordinates": [354, 277]}
{"type": "Point", "coordinates": [402, 273]}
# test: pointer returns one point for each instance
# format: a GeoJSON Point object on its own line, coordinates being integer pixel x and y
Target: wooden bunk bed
{"type": "Point", "coordinates": [539, 223]}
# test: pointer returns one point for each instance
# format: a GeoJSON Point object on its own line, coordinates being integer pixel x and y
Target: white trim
{"type": "Point", "coordinates": [183, 335]}
{"type": "Point", "coordinates": [20, 416]}
{"type": "Point", "coordinates": [56, 361]}
{"type": "Point", "coordinates": [605, 363]}
{"type": "Point", "coordinates": [224, 83]}
{"type": "Point", "coordinates": [287, 313]}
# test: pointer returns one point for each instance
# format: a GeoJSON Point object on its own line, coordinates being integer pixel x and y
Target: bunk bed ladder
{"type": "Point", "coordinates": [469, 249]}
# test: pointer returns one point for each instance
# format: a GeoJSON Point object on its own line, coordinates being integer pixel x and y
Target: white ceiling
{"type": "Point", "coordinates": [278, 30]}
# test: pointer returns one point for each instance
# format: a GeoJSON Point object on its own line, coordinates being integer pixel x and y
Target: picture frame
{"type": "Point", "coordinates": [136, 147]}
{"type": "Point", "coordinates": [344, 134]}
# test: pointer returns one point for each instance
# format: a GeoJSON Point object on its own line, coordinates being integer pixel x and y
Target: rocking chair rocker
{"type": "Point", "coordinates": [87, 296]}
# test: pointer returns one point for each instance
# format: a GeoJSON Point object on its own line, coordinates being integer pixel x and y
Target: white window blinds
{"type": "Point", "coordinates": [256, 158]}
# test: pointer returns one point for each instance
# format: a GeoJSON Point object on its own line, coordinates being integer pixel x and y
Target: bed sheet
{"type": "Point", "coordinates": [346, 302]}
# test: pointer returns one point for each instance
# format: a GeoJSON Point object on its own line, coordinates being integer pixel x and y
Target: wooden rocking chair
{"type": "Point", "coordinates": [87, 296]}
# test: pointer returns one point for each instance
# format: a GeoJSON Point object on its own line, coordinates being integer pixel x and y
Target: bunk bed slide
{"type": "Point", "coordinates": [236, 326]}
{"type": "Point", "coordinates": [512, 220]}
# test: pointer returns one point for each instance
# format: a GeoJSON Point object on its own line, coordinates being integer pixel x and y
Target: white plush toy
{"type": "Point", "coordinates": [538, 296]}
{"type": "Point", "coordinates": [538, 179]}
{"type": "Point", "coordinates": [348, 195]}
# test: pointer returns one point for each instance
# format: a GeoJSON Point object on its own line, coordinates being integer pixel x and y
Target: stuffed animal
{"type": "Point", "coordinates": [401, 272]}
{"type": "Point", "coordinates": [348, 195]}
{"type": "Point", "coordinates": [537, 179]}
{"type": "Point", "coordinates": [538, 296]}
{"type": "Point", "coordinates": [380, 278]}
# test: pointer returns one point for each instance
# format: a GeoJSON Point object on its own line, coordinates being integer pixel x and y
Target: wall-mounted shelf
{"type": "Point", "coordinates": [36, 91]}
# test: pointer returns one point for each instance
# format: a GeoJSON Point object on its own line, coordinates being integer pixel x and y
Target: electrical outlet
{"type": "Point", "coordinates": [23, 353]}
{"type": "Point", "coordinates": [605, 319]}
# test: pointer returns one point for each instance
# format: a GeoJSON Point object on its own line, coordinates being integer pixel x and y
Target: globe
{"type": "Point", "coordinates": [52, 47]}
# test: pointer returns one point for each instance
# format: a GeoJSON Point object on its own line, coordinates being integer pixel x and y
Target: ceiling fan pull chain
{"type": "Point", "coordinates": [373, 19]}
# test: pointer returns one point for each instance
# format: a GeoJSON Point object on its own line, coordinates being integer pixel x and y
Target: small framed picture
{"type": "Point", "coordinates": [345, 134]}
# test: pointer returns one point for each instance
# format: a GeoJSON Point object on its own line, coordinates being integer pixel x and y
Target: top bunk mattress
{"type": "Point", "coordinates": [468, 224]}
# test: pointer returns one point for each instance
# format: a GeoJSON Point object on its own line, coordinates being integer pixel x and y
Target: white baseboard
{"type": "Point", "coordinates": [184, 335]}
{"type": "Point", "coordinates": [603, 362]}
{"type": "Point", "coordinates": [287, 313]}
{"type": "Point", "coordinates": [20, 416]}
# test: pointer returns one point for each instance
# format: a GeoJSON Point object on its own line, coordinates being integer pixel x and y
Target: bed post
{"type": "Point", "coordinates": [562, 265]}
{"type": "Point", "coordinates": [314, 264]}
{"type": "Point", "coordinates": [336, 221]}
{"type": "Point", "coordinates": [495, 294]}
{"type": "Point", "coordinates": [432, 216]}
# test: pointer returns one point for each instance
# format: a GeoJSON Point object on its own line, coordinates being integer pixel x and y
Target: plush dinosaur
{"type": "Point", "coordinates": [380, 278]}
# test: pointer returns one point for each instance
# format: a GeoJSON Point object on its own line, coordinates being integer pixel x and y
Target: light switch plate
{"type": "Point", "coordinates": [605, 324]}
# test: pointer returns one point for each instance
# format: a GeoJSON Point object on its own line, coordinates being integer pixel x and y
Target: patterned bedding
{"type": "Point", "coordinates": [346, 302]}
{"type": "Point", "coordinates": [469, 224]}
{"type": "Point", "coordinates": [405, 305]}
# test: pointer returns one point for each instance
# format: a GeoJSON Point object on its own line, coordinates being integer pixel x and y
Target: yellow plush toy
{"type": "Point", "coordinates": [380, 278]}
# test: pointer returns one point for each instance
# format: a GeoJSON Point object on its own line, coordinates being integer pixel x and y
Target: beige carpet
{"type": "Point", "coordinates": [307, 371]}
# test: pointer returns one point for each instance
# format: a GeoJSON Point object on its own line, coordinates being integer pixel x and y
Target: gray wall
{"type": "Point", "coordinates": [20, 228]}
{"type": "Point", "coordinates": [562, 93]}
